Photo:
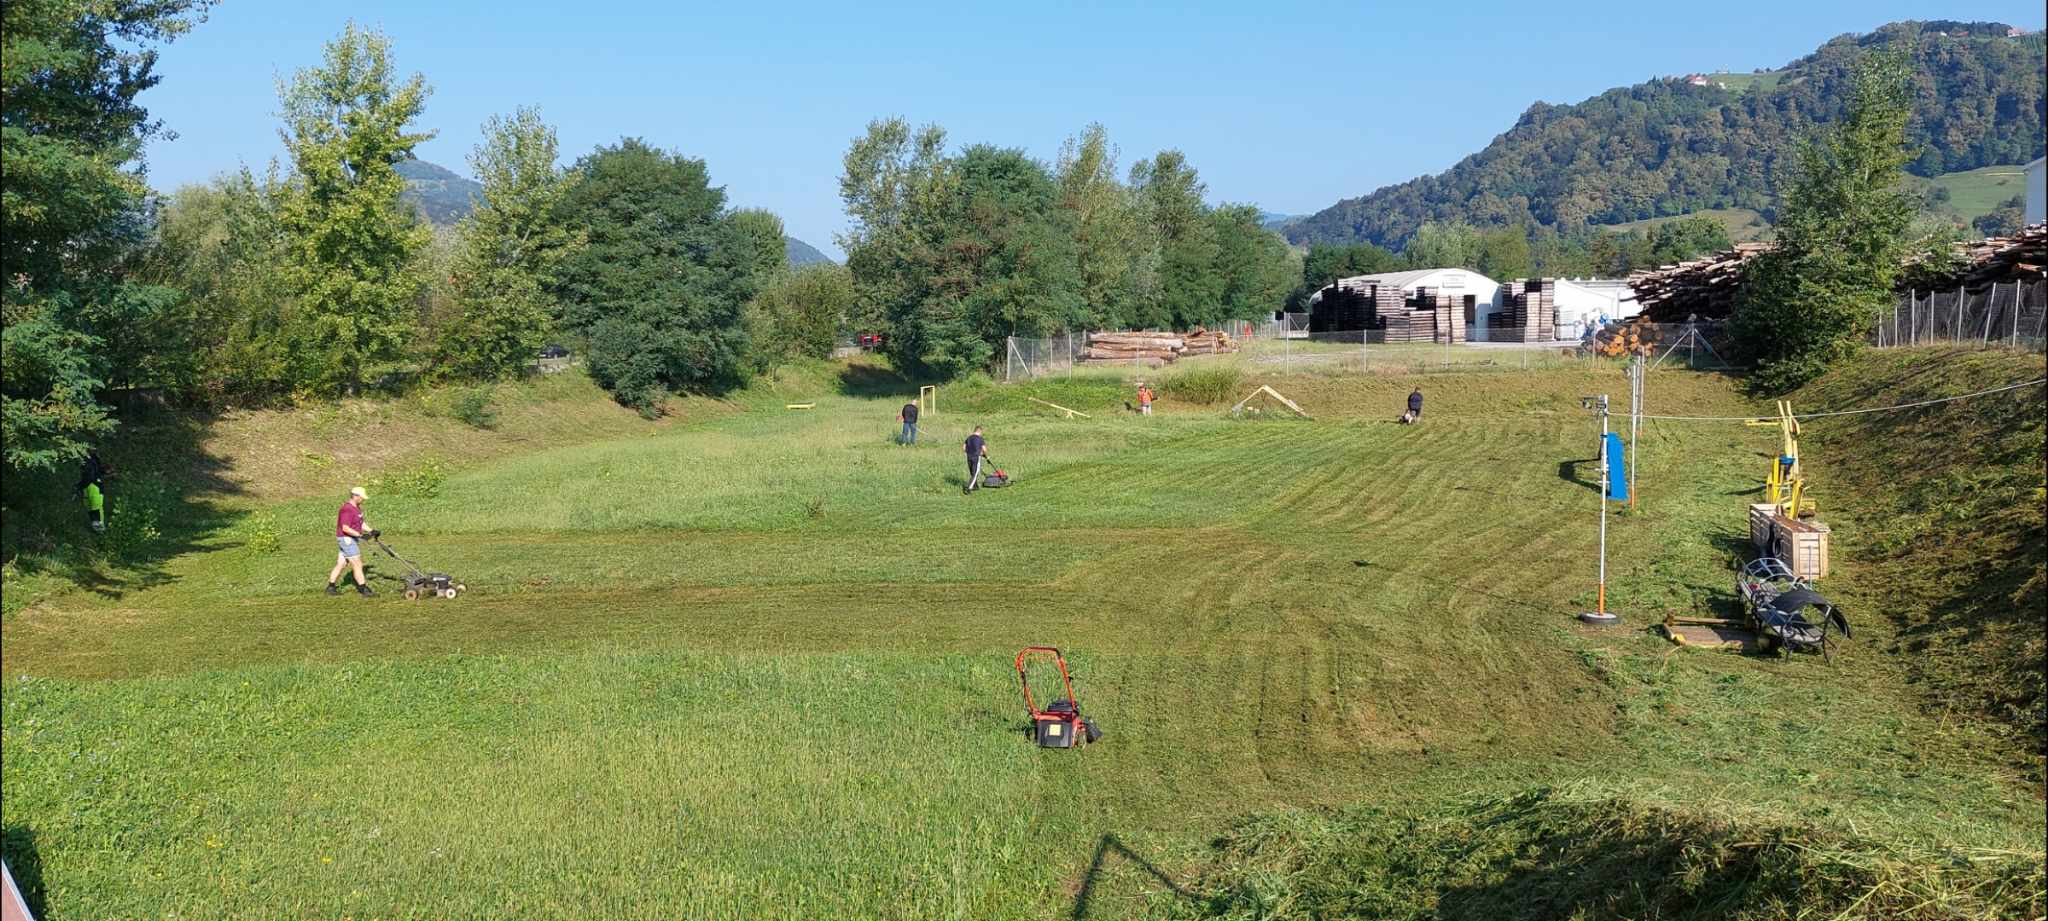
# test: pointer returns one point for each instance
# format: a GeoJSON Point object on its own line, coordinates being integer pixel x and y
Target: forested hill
{"type": "Point", "coordinates": [1671, 147]}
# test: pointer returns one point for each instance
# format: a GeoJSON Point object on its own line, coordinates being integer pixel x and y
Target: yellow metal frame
{"type": "Point", "coordinates": [928, 398]}
{"type": "Point", "coordinates": [1785, 484]}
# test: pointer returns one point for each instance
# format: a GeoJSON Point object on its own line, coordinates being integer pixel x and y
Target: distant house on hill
{"type": "Point", "coordinates": [2037, 191]}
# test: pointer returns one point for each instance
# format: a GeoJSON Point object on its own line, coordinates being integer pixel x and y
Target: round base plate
{"type": "Point", "coordinates": [1599, 619]}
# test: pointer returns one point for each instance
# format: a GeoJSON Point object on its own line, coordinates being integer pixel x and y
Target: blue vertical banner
{"type": "Point", "coordinates": [1617, 468]}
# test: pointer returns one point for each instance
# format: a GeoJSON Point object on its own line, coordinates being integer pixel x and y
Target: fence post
{"type": "Point", "coordinates": [1912, 317]}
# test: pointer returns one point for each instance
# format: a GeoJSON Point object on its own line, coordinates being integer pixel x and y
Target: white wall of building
{"type": "Point", "coordinates": [2037, 191]}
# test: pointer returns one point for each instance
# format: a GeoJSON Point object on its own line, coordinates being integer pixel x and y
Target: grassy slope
{"type": "Point", "coordinates": [1950, 501]}
{"type": "Point", "coordinates": [759, 666]}
{"type": "Point", "coordinates": [1975, 193]}
{"type": "Point", "coordinates": [1743, 224]}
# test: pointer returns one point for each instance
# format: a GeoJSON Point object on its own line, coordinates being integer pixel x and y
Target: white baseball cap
{"type": "Point", "coordinates": [359, 493]}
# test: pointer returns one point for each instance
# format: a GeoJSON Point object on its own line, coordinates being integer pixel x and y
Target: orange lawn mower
{"type": "Point", "coordinates": [1060, 724]}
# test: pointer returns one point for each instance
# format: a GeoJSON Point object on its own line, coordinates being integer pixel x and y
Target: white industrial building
{"type": "Point", "coordinates": [1582, 302]}
{"type": "Point", "coordinates": [2037, 191]}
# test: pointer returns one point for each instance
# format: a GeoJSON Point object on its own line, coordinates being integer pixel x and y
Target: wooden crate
{"type": "Point", "coordinates": [1803, 545]}
{"type": "Point", "coordinates": [1760, 515]}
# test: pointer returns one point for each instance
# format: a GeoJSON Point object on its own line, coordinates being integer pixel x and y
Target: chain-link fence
{"type": "Point", "coordinates": [1026, 358]}
{"type": "Point", "coordinates": [2005, 313]}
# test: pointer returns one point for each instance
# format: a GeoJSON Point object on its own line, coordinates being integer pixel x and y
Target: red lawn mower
{"type": "Point", "coordinates": [1060, 724]}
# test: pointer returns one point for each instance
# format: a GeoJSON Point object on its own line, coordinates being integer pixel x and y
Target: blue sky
{"type": "Point", "coordinates": [1289, 105]}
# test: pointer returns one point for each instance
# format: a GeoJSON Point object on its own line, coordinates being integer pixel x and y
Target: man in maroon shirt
{"type": "Point", "coordinates": [349, 529]}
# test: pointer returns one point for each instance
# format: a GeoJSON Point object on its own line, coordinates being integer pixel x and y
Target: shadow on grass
{"type": "Point", "coordinates": [864, 379]}
{"type": "Point", "coordinates": [1108, 845]}
{"type": "Point", "coordinates": [1573, 471]}
{"type": "Point", "coordinates": [162, 501]}
{"type": "Point", "coordinates": [25, 864]}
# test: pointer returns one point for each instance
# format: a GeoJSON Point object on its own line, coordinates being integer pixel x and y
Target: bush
{"type": "Point", "coordinates": [260, 533]}
{"type": "Point", "coordinates": [1206, 385]}
{"type": "Point", "coordinates": [472, 405]}
{"type": "Point", "coordinates": [420, 481]}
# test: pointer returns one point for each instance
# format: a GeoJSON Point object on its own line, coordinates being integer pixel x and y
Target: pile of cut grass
{"type": "Point", "coordinates": [1584, 854]}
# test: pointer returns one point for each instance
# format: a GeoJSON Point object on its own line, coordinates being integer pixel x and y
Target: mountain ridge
{"type": "Point", "coordinates": [1679, 145]}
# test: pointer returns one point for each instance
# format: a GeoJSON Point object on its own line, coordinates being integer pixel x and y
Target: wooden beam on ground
{"type": "Point", "coordinates": [1275, 394]}
{"type": "Point", "coordinates": [1071, 413]}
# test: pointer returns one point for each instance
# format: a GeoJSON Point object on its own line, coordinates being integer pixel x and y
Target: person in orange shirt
{"type": "Point", "coordinates": [1144, 398]}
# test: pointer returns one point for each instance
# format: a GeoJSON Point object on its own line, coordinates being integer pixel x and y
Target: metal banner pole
{"type": "Point", "coordinates": [1599, 614]}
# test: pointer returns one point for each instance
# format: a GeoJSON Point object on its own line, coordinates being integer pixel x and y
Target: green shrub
{"type": "Point", "coordinates": [1204, 385]}
{"type": "Point", "coordinates": [260, 533]}
{"type": "Point", "coordinates": [472, 406]}
{"type": "Point", "coordinates": [422, 480]}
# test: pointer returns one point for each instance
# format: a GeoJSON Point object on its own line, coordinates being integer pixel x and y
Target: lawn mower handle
{"type": "Point", "coordinates": [1059, 661]}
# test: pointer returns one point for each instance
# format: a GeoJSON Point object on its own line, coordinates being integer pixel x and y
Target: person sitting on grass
{"type": "Point", "coordinates": [349, 530]}
{"type": "Point", "coordinates": [908, 416]}
{"type": "Point", "coordinates": [977, 448]}
{"type": "Point", "coordinates": [1414, 413]}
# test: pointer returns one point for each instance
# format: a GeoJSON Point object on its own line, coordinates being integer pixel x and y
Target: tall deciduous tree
{"type": "Point", "coordinates": [511, 245]}
{"type": "Point", "coordinates": [1252, 263]}
{"type": "Point", "coordinates": [1190, 289]}
{"type": "Point", "coordinates": [1110, 243]}
{"type": "Point", "coordinates": [352, 242]}
{"type": "Point", "coordinates": [658, 291]}
{"type": "Point", "coordinates": [1808, 302]}
{"type": "Point", "coordinates": [71, 135]}
{"type": "Point", "coordinates": [761, 234]}
{"type": "Point", "coordinates": [799, 313]}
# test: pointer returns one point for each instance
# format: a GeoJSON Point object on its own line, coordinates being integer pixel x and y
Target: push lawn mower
{"type": "Point", "coordinates": [1060, 724]}
{"type": "Point", "coordinates": [419, 583]}
{"type": "Point", "coordinates": [995, 478]}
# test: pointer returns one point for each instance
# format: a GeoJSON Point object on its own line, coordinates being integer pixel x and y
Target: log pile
{"type": "Point", "coordinates": [1155, 349]}
{"type": "Point", "coordinates": [1703, 287]}
{"type": "Point", "coordinates": [1634, 336]}
{"type": "Point", "coordinates": [1997, 261]}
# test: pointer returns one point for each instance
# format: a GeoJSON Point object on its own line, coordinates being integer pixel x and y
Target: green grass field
{"type": "Point", "coordinates": [1975, 193]}
{"type": "Point", "coordinates": [1744, 225]}
{"type": "Point", "coordinates": [755, 662]}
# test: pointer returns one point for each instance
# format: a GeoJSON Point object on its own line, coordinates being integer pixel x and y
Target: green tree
{"type": "Point", "coordinates": [71, 194]}
{"type": "Point", "coordinates": [352, 244]}
{"type": "Point", "coordinates": [1808, 302]}
{"type": "Point", "coordinates": [1109, 241]}
{"type": "Point", "coordinates": [511, 245]}
{"type": "Point", "coordinates": [761, 233]}
{"type": "Point", "coordinates": [1448, 245]}
{"type": "Point", "coordinates": [1686, 238]}
{"type": "Point", "coordinates": [1190, 289]}
{"type": "Point", "coordinates": [221, 244]}
{"type": "Point", "coordinates": [1504, 253]}
{"type": "Point", "coordinates": [2006, 220]}
{"type": "Point", "coordinates": [799, 314]}
{"type": "Point", "coordinates": [1253, 263]}
{"type": "Point", "coordinates": [659, 289]}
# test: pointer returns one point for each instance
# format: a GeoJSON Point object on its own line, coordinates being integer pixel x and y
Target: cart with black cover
{"type": "Point", "coordinates": [1785, 611]}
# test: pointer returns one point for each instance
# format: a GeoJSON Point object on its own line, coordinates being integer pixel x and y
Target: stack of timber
{"type": "Point", "coordinates": [1634, 336]}
{"type": "Point", "coordinates": [1993, 261]}
{"type": "Point", "coordinates": [1150, 349]}
{"type": "Point", "coordinates": [1530, 314]}
{"type": "Point", "coordinates": [1155, 349]}
{"type": "Point", "coordinates": [1703, 287]}
{"type": "Point", "coordinates": [1204, 341]}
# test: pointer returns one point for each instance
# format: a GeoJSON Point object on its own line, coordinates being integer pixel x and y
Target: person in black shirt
{"type": "Point", "coordinates": [908, 416]}
{"type": "Point", "coordinates": [1414, 413]}
{"type": "Point", "coordinates": [977, 448]}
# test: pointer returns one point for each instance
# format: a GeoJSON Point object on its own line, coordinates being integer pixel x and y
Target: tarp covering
{"type": "Point", "coordinates": [1617, 468]}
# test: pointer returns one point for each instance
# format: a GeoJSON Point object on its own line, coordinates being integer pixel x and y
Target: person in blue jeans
{"type": "Point", "coordinates": [909, 419]}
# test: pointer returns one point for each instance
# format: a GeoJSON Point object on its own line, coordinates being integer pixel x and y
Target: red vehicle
{"type": "Point", "coordinates": [871, 340]}
{"type": "Point", "coordinates": [1060, 724]}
